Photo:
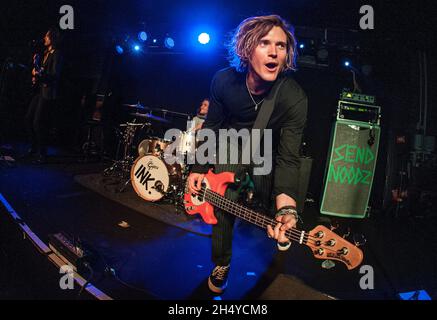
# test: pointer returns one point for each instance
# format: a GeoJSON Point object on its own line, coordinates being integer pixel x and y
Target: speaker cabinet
{"type": "Point", "coordinates": [350, 169]}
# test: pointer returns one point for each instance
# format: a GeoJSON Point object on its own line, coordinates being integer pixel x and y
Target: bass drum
{"type": "Point", "coordinates": [152, 178]}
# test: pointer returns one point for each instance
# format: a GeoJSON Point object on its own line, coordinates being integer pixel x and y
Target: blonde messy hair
{"type": "Point", "coordinates": [247, 36]}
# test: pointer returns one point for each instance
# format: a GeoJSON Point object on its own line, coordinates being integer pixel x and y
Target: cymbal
{"type": "Point", "coordinates": [149, 116]}
{"type": "Point", "coordinates": [164, 111]}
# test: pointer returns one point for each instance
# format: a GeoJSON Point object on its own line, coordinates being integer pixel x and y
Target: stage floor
{"type": "Point", "coordinates": [157, 260]}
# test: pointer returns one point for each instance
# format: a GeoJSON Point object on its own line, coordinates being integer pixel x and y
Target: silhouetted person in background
{"type": "Point", "coordinates": [45, 76]}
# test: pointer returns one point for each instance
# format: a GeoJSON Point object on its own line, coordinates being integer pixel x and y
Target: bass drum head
{"type": "Point", "coordinates": [150, 178]}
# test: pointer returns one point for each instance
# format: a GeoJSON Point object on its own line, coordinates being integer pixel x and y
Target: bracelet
{"type": "Point", "coordinates": [288, 210]}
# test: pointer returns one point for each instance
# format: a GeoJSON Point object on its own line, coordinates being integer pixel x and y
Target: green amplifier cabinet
{"type": "Point", "coordinates": [350, 169]}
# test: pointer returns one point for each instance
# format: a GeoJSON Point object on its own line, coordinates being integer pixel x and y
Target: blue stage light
{"type": "Point", "coordinates": [301, 46]}
{"type": "Point", "coordinates": [119, 49]}
{"type": "Point", "coordinates": [169, 43]}
{"type": "Point", "coordinates": [347, 63]}
{"type": "Point", "coordinates": [137, 47]}
{"type": "Point", "coordinates": [142, 36]}
{"type": "Point", "coordinates": [204, 38]}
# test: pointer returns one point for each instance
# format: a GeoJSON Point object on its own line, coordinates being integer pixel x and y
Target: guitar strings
{"type": "Point", "coordinates": [259, 217]}
{"type": "Point", "coordinates": [264, 221]}
{"type": "Point", "coordinates": [294, 233]}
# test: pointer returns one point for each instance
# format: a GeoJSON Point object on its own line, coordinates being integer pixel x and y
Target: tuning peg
{"type": "Point", "coordinates": [331, 242]}
{"type": "Point", "coordinates": [359, 240]}
{"type": "Point", "coordinates": [320, 251]}
{"type": "Point", "coordinates": [343, 251]}
{"type": "Point", "coordinates": [320, 234]}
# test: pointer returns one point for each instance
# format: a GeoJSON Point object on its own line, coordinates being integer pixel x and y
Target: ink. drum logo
{"type": "Point", "coordinates": [143, 175]}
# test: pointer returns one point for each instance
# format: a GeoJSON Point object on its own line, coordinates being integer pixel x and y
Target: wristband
{"type": "Point", "coordinates": [287, 210]}
{"type": "Point", "coordinates": [284, 246]}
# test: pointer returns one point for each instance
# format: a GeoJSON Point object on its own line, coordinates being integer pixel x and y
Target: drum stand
{"type": "Point", "coordinates": [122, 167]}
{"type": "Point", "coordinates": [176, 196]}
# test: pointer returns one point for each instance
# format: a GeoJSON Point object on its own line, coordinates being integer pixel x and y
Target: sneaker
{"type": "Point", "coordinates": [218, 280]}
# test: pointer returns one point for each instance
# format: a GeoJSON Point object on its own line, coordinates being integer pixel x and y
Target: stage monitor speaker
{"type": "Point", "coordinates": [350, 170]}
{"type": "Point", "coordinates": [286, 287]}
{"type": "Point", "coordinates": [304, 180]}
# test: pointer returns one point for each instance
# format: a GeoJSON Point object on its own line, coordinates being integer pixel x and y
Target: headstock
{"type": "Point", "coordinates": [327, 245]}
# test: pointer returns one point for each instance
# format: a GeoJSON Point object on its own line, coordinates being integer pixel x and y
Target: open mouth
{"type": "Point", "coordinates": [271, 66]}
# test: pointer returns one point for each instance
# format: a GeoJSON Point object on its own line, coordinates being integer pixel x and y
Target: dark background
{"type": "Point", "coordinates": [177, 80]}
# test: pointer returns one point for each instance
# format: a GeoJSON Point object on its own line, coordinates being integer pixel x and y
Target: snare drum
{"type": "Point", "coordinates": [152, 146]}
{"type": "Point", "coordinates": [152, 178]}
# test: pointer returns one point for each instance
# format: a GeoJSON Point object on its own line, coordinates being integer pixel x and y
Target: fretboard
{"type": "Point", "coordinates": [251, 216]}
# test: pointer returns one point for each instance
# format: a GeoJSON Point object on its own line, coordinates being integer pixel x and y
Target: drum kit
{"type": "Point", "coordinates": [142, 162]}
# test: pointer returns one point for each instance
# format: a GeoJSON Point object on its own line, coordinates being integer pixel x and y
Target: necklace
{"type": "Point", "coordinates": [251, 97]}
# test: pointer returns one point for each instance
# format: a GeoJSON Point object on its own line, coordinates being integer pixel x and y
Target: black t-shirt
{"type": "Point", "coordinates": [232, 107]}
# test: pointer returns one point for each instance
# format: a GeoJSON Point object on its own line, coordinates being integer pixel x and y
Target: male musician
{"type": "Point", "coordinates": [199, 119]}
{"type": "Point", "coordinates": [262, 49]}
{"type": "Point", "coordinates": [46, 78]}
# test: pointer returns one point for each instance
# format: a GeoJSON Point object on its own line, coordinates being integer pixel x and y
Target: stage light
{"type": "Point", "coordinates": [142, 36]}
{"type": "Point", "coordinates": [119, 49]}
{"type": "Point", "coordinates": [136, 47]}
{"type": "Point", "coordinates": [204, 38]}
{"type": "Point", "coordinates": [169, 43]}
{"type": "Point", "coordinates": [347, 63]}
{"type": "Point", "coordinates": [155, 41]}
{"type": "Point", "coordinates": [301, 46]}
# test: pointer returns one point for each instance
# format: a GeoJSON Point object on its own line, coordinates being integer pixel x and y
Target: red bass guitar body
{"type": "Point", "coordinates": [195, 204]}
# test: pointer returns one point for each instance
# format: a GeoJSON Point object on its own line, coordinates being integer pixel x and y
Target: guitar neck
{"type": "Point", "coordinates": [251, 216]}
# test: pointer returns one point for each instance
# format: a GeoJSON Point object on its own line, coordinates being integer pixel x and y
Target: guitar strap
{"type": "Point", "coordinates": [265, 112]}
{"type": "Point", "coordinates": [262, 119]}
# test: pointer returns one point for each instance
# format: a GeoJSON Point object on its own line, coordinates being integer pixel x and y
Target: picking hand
{"type": "Point", "coordinates": [195, 182]}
